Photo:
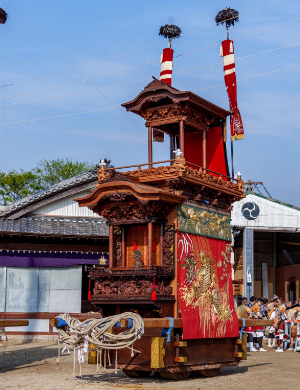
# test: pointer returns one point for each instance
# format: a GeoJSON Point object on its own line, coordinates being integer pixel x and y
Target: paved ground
{"type": "Point", "coordinates": [33, 366]}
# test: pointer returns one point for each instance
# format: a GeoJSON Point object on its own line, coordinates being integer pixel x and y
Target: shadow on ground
{"type": "Point", "coordinates": [28, 354]}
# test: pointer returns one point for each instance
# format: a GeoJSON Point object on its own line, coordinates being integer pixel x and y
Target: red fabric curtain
{"type": "Point", "coordinates": [205, 287]}
{"type": "Point", "coordinates": [193, 148]}
{"type": "Point", "coordinates": [215, 154]}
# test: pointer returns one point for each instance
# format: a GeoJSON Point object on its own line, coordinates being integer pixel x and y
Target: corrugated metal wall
{"type": "Point", "coordinates": [248, 261]}
{"type": "Point", "coordinates": [66, 207]}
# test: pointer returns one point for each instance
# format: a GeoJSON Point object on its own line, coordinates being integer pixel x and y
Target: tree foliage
{"type": "Point", "coordinates": [54, 171]}
{"type": "Point", "coordinates": [17, 185]}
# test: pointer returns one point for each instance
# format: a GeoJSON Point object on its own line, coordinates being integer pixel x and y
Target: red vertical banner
{"type": "Point", "coordinates": [227, 52]}
{"type": "Point", "coordinates": [205, 287]}
{"type": "Point", "coordinates": [166, 65]}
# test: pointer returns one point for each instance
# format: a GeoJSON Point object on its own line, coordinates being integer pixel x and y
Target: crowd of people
{"type": "Point", "coordinates": [283, 335]}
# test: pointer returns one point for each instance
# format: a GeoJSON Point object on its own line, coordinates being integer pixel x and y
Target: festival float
{"type": "Point", "coordinates": [170, 235]}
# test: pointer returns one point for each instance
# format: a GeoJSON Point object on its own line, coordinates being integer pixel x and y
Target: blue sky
{"type": "Point", "coordinates": [83, 32]}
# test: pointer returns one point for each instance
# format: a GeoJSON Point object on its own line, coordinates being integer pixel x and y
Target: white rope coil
{"type": "Point", "coordinates": [98, 331]}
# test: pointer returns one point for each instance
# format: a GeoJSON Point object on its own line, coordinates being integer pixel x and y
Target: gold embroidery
{"type": "Point", "coordinates": [206, 295]}
{"type": "Point", "coordinates": [203, 222]}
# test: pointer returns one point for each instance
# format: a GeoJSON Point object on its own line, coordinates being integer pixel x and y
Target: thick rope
{"type": "Point", "coordinates": [97, 331]}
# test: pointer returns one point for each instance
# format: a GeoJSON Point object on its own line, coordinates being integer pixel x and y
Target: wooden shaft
{"type": "Point", "coordinates": [256, 322]}
{"type": "Point", "coordinates": [111, 246]}
{"type": "Point", "coordinates": [150, 153]}
{"type": "Point", "coordinates": [165, 322]}
{"type": "Point", "coordinates": [204, 148]}
{"type": "Point", "coordinates": [150, 239]}
{"type": "Point", "coordinates": [123, 248]}
{"type": "Point", "coordinates": [6, 323]}
{"type": "Point", "coordinates": [161, 257]}
{"type": "Point", "coordinates": [224, 125]}
{"type": "Point", "coordinates": [181, 137]}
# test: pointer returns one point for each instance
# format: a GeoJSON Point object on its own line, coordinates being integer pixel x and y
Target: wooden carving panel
{"type": "Point", "coordinates": [117, 248]}
{"type": "Point", "coordinates": [168, 261]}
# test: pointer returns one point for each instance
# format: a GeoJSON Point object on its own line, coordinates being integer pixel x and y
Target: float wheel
{"type": "Point", "coordinates": [210, 372]}
{"type": "Point", "coordinates": [177, 376]}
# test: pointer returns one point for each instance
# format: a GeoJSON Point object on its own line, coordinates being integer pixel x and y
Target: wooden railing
{"type": "Point", "coordinates": [138, 166]}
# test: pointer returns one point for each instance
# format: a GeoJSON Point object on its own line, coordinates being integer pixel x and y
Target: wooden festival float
{"type": "Point", "coordinates": [170, 240]}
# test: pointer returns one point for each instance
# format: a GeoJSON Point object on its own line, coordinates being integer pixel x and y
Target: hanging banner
{"type": "Point", "coordinates": [158, 136]}
{"type": "Point", "coordinates": [207, 223]}
{"type": "Point", "coordinates": [236, 126]}
{"type": "Point", "coordinates": [205, 287]}
{"type": "Point", "coordinates": [166, 65]}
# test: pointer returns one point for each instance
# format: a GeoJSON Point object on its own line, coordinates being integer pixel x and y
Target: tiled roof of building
{"type": "Point", "coordinates": [83, 178]}
{"type": "Point", "coordinates": [70, 226]}
{"type": "Point", "coordinates": [273, 200]}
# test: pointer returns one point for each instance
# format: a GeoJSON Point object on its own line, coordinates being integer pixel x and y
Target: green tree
{"type": "Point", "coordinates": [17, 185]}
{"type": "Point", "coordinates": [54, 171]}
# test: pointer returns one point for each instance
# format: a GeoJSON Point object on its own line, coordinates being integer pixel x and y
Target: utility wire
{"type": "Point", "coordinates": [61, 116]}
{"type": "Point", "coordinates": [257, 189]}
{"type": "Point", "coordinates": [248, 78]}
{"type": "Point", "coordinates": [244, 36]}
{"type": "Point", "coordinates": [137, 81]}
{"type": "Point", "coordinates": [139, 66]}
{"type": "Point", "coordinates": [79, 81]}
{"type": "Point", "coordinates": [245, 13]}
{"type": "Point", "coordinates": [109, 108]}
{"type": "Point", "coordinates": [120, 54]}
{"type": "Point", "coordinates": [267, 191]}
{"type": "Point", "coordinates": [60, 55]}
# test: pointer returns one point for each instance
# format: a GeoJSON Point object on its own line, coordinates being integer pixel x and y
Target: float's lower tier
{"type": "Point", "coordinates": [205, 356]}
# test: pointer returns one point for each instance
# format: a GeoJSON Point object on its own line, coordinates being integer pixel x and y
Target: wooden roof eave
{"type": "Point", "coordinates": [138, 190]}
{"type": "Point", "coordinates": [143, 97]}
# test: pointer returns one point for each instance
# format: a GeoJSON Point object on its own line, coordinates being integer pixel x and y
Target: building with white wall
{"type": "Point", "coordinates": [267, 247]}
{"type": "Point", "coordinates": [46, 244]}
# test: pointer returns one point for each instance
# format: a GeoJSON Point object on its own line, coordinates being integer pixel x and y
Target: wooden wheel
{"type": "Point", "coordinates": [177, 376]}
{"type": "Point", "coordinates": [210, 372]}
{"type": "Point", "coordinates": [137, 373]}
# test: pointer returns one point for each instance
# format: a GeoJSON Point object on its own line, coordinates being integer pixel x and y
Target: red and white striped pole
{"type": "Point", "coordinates": [166, 65]}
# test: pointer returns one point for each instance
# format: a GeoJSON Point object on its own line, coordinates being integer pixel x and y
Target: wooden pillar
{"type": "Point", "coordinates": [224, 128]}
{"type": "Point", "coordinates": [172, 147]}
{"type": "Point", "coordinates": [111, 246]}
{"type": "Point", "coordinates": [274, 256]}
{"type": "Point", "coordinates": [150, 153]}
{"type": "Point", "coordinates": [181, 137]}
{"type": "Point", "coordinates": [150, 240]}
{"type": "Point", "coordinates": [161, 255]}
{"type": "Point", "coordinates": [204, 149]}
{"type": "Point", "coordinates": [123, 248]}
{"type": "Point", "coordinates": [264, 278]}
